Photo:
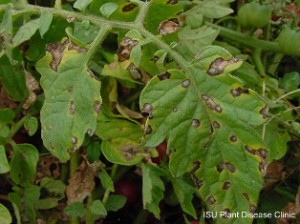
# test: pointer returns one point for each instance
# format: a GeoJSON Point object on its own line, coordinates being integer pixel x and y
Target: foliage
{"type": "Point", "coordinates": [194, 103]}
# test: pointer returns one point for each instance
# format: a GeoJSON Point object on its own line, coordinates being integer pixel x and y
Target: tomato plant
{"type": "Point", "coordinates": [190, 106]}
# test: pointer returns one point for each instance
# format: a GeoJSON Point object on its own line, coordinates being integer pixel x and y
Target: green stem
{"type": "Point", "coordinates": [89, 216]}
{"type": "Point", "coordinates": [57, 4]}
{"type": "Point", "coordinates": [246, 40]}
{"type": "Point", "coordinates": [74, 161]}
{"type": "Point", "coordinates": [287, 94]}
{"type": "Point", "coordinates": [16, 127]}
{"type": "Point", "coordinates": [258, 62]}
{"type": "Point", "coordinates": [139, 20]}
{"type": "Point", "coordinates": [275, 63]}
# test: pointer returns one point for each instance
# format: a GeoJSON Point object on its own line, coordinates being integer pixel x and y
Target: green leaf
{"type": "Point", "coordinates": [184, 192]}
{"type": "Point", "coordinates": [115, 202]}
{"type": "Point", "coordinates": [13, 79]}
{"type": "Point", "coordinates": [82, 4]}
{"type": "Point", "coordinates": [160, 11]}
{"type": "Point", "coordinates": [276, 139]}
{"type": "Point", "coordinates": [106, 180]}
{"type": "Point", "coordinates": [46, 203]}
{"type": "Point", "coordinates": [136, 55]}
{"type": "Point", "coordinates": [108, 9]}
{"type": "Point", "coordinates": [72, 98]}
{"type": "Point", "coordinates": [31, 125]}
{"type": "Point", "coordinates": [212, 9]}
{"type": "Point", "coordinates": [191, 41]}
{"type": "Point", "coordinates": [153, 189]}
{"type": "Point", "coordinates": [7, 29]}
{"type": "Point", "coordinates": [54, 187]}
{"type": "Point", "coordinates": [5, 216]}
{"type": "Point", "coordinates": [75, 209]}
{"type": "Point", "coordinates": [207, 119]}
{"type": "Point", "coordinates": [4, 166]}
{"type": "Point", "coordinates": [26, 32]}
{"type": "Point", "coordinates": [45, 22]}
{"type": "Point", "coordinates": [93, 151]}
{"type": "Point", "coordinates": [98, 208]}
{"type": "Point", "coordinates": [290, 81]}
{"type": "Point", "coordinates": [6, 115]}
{"type": "Point", "coordinates": [23, 163]}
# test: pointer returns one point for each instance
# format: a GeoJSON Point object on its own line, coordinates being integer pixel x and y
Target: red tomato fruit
{"type": "Point", "coordinates": [129, 189]}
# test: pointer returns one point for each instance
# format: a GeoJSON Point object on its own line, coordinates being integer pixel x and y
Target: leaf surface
{"type": "Point", "coordinates": [72, 98]}
{"type": "Point", "coordinates": [207, 119]}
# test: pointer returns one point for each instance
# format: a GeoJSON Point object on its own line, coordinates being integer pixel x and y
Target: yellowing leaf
{"type": "Point", "coordinates": [72, 98]}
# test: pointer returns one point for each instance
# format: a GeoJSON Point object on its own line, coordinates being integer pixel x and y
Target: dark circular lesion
{"type": "Point", "coordinates": [211, 200]}
{"type": "Point", "coordinates": [226, 185]}
{"type": "Point", "coordinates": [233, 138]}
{"type": "Point", "coordinates": [196, 123]}
{"type": "Point", "coordinates": [129, 7]}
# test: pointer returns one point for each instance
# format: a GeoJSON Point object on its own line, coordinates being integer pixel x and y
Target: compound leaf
{"type": "Point", "coordinates": [72, 98]}
{"type": "Point", "coordinates": [207, 117]}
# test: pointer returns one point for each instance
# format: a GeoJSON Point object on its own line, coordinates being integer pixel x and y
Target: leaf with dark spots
{"type": "Point", "coordinates": [233, 138]}
{"type": "Point", "coordinates": [238, 91]}
{"type": "Point", "coordinates": [226, 185]}
{"type": "Point", "coordinates": [129, 7]}
{"type": "Point", "coordinates": [164, 76]}
{"type": "Point", "coordinates": [167, 27]}
{"type": "Point", "coordinates": [220, 65]}
{"type": "Point", "coordinates": [69, 90]}
{"type": "Point", "coordinates": [211, 200]}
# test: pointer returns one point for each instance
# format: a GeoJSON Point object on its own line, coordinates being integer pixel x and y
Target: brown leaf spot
{"type": "Point", "coordinates": [252, 208]}
{"type": "Point", "coordinates": [226, 185]}
{"type": "Point", "coordinates": [261, 167]}
{"type": "Point", "coordinates": [198, 183]}
{"type": "Point", "coordinates": [147, 109]}
{"type": "Point", "coordinates": [164, 76]}
{"type": "Point", "coordinates": [48, 166]}
{"type": "Point", "coordinates": [72, 107]}
{"type": "Point", "coordinates": [56, 50]}
{"type": "Point", "coordinates": [175, 109]}
{"type": "Point", "coordinates": [172, 2]}
{"type": "Point", "coordinates": [238, 91]}
{"type": "Point", "coordinates": [216, 124]}
{"type": "Point", "coordinates": [218, 65]}
{"type": "Point", "coordinates": [262, 153]}
{"type": "Point", "coordinates": [196, 166]}
{"type": "Point", "coordinates": [218, 109]}
{"type": "Point", "coordinates": [97, 106]}
{"type": "Point", "coordinates": [233, 138]}
{"type": "Point", "coordinates": [129, 151]}
{"type": "Point", "coordinates": [186, 83]}
{"type": "Point", "coordinates": [211, 200]}
{"type": "Point", "coordinates": [264, 111]}
{"type": "Point", "coordinates": [230, 167]}
{"type": "Point", "coordinates": [195, 123]}
{"type": "Point", "coordinates": [220, 167]}
{"type": "Point", "coordinates": [167, 27]}
{"type": "Point", "coordinates": [129, 7]}
{"type": "Point", "coordinates": [249, 149]}
{"type": "Point", "coordinates": [125, 48]}
{"type": "Point", "coordinates": [211, 104]}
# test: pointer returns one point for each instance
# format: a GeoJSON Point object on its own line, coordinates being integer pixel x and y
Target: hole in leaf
{"type": "Point", "coordinates": [211, 200]}
{"type": "Point", "coordinates": [129, 7]}
{"type": "Point", "coordinates": [233, 138]}
{"type": "Point", "coordinates": [226, 185]}
{"type": "Point", "coordinates": [164, 76]}
{"type": "Point", "coordinates": [167, 27]}
{"type": "Point", "coordinates": [148, 130]}
{"type": "Point", "coordinates": [238, 91]}
{"type": "Point", "coordinates": [186, 83]}
{"type": "Point", "coordinates": [195, 123]}
{"type": "Point", "coordinates": [264, 111]}
{"type": "Point", "coordinates": [216, 124]}
{"type": "Point", "coordinates": [72, 107]}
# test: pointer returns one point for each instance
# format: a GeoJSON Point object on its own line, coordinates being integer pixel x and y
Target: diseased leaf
{"type": "Point", "coordinates": [153, 189]}
{"type": "Point", "coordinates": [72, 98]}
{"type": "Point", "coordinates": [45, 22]}
{"type": "Point", "coordinates": [5, 216]}
{"type": "Point", "coordinates": [23, 163]}
{"type": "Point", "coordinates": [4, 165]}
{"type": "Point", "coordinates": [207, 118]}
{"type": "Point", "coordinates": [159, 11]}
{"type": "Point", "coordinates": [26, 32]}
